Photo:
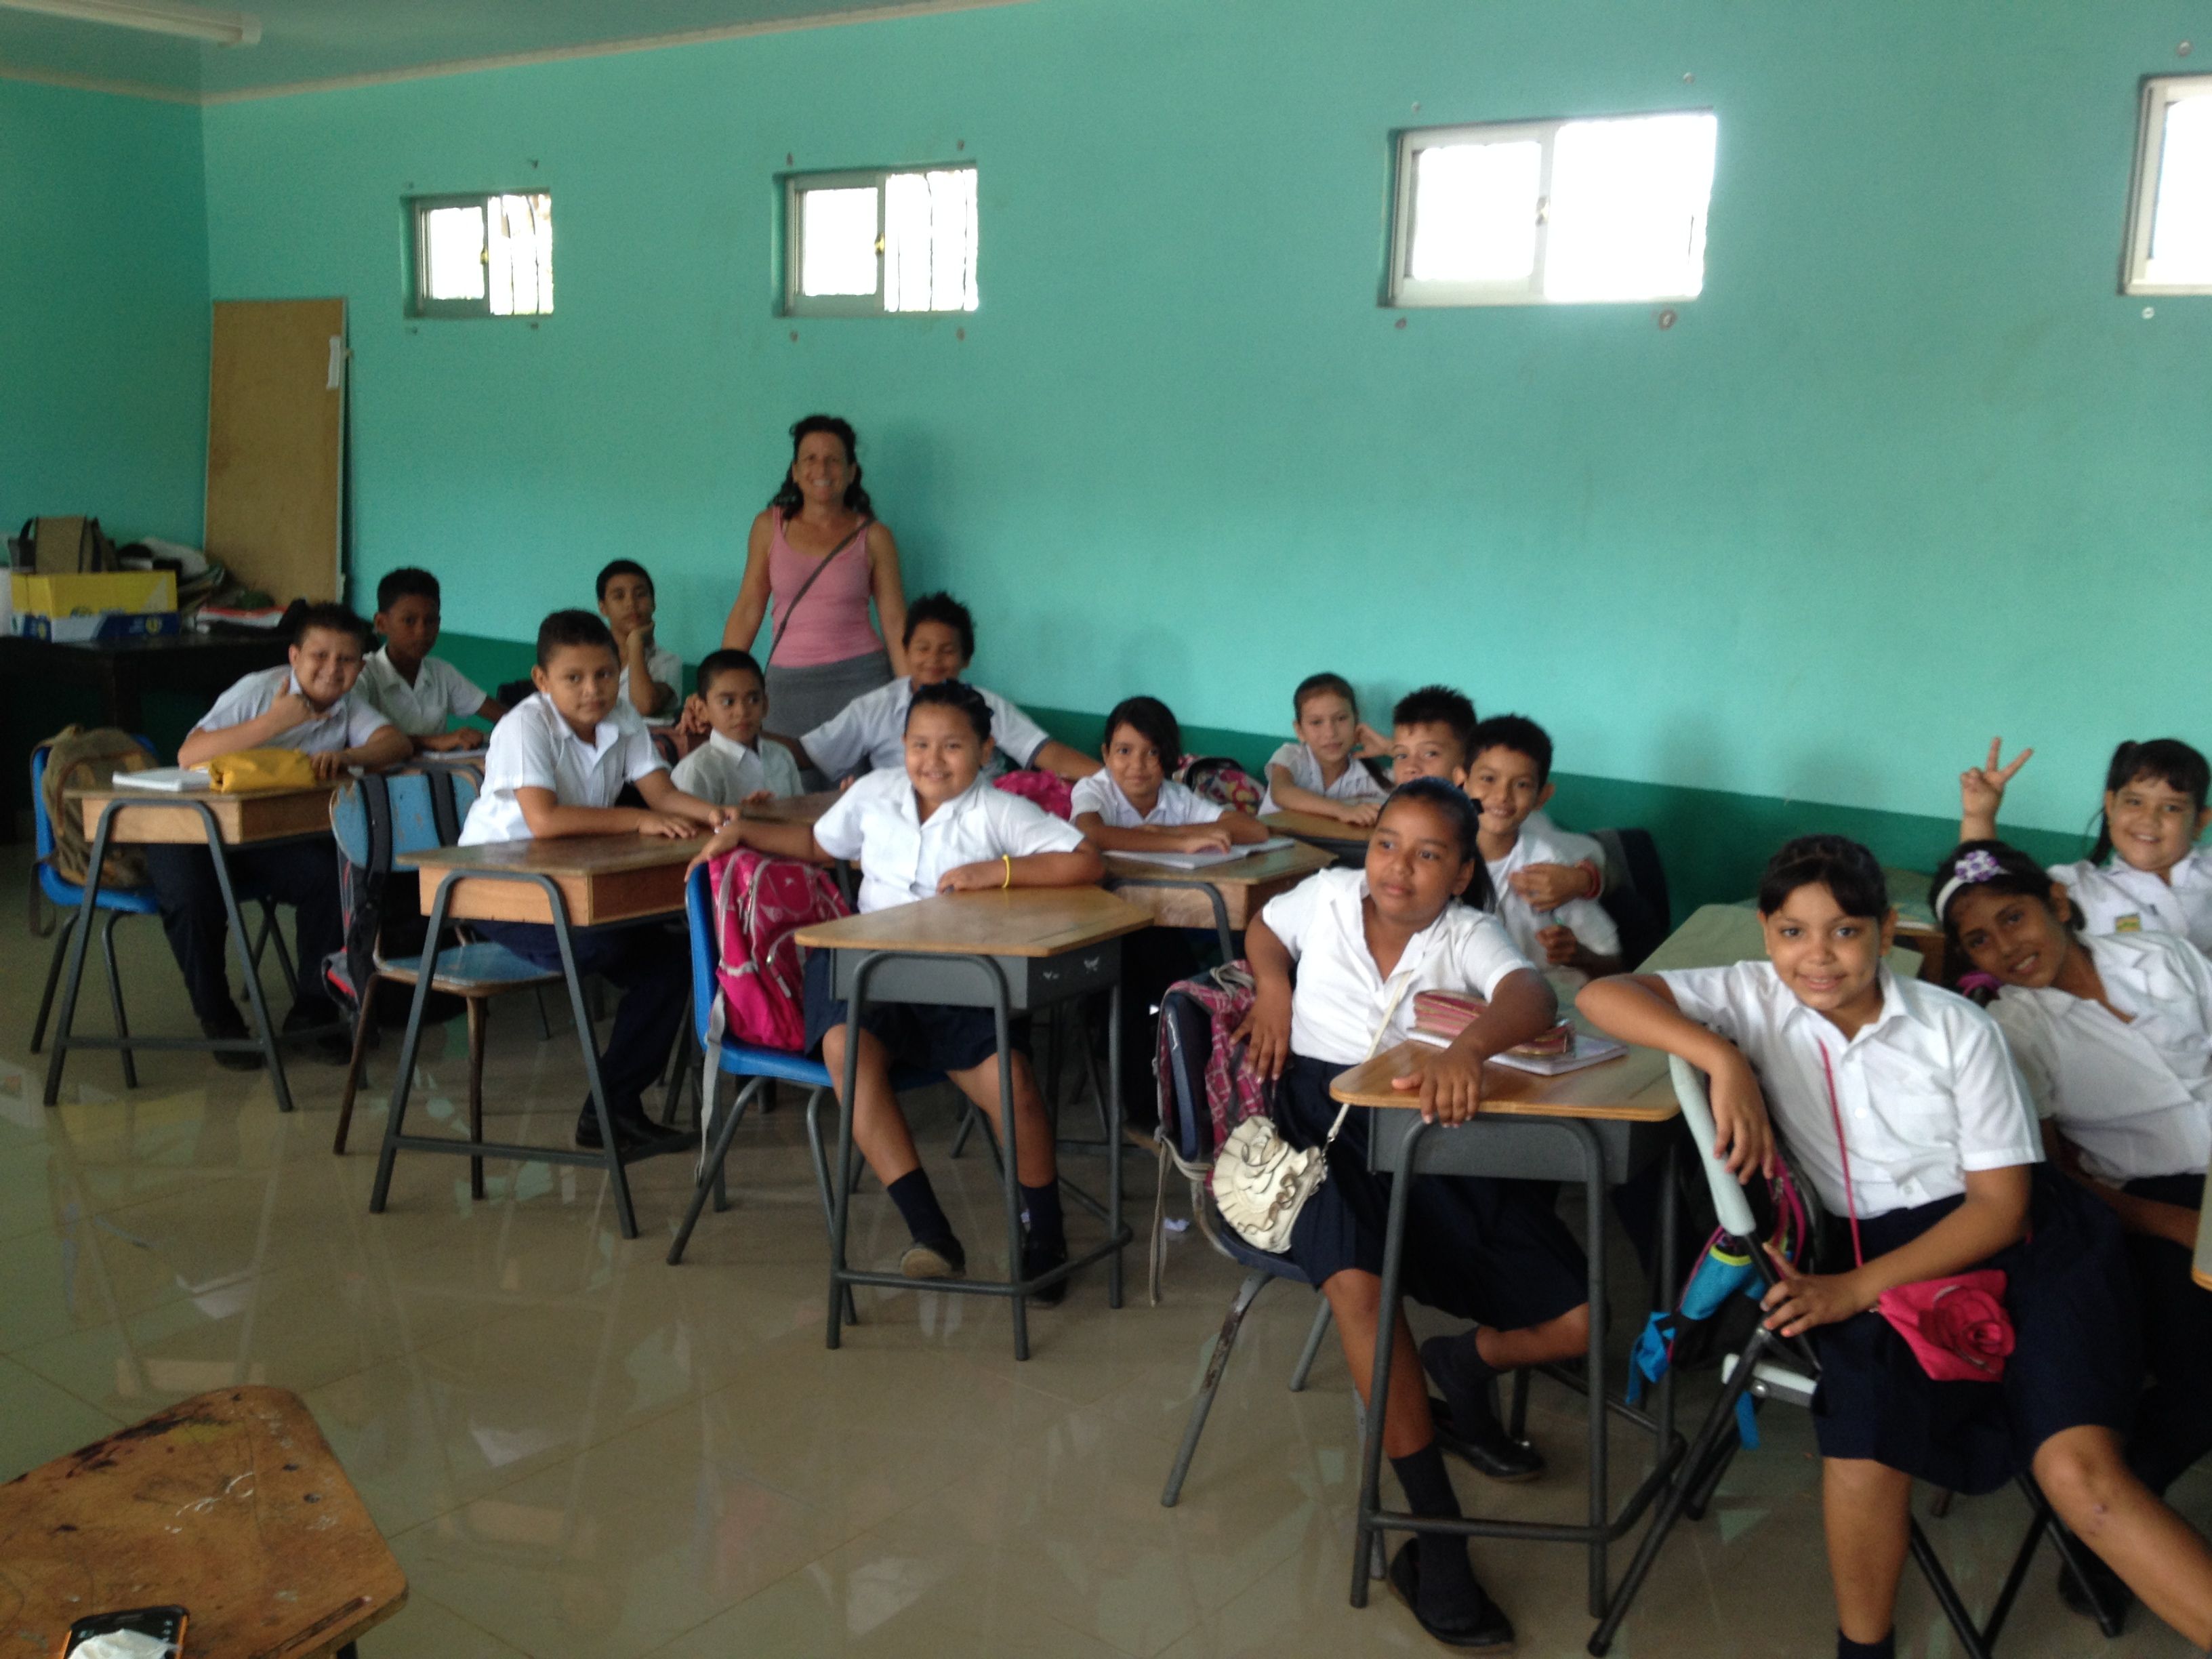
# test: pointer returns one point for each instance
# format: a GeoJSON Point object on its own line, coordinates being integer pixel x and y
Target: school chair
{"type": "Point", "coordinates": [1186, 1142]}
{"type": "Point", "coordinates": [68, 897]}
{"type": "Point", "coordinates": [1635, 894]}
{"type": "Point", "coordinates": [1771, 1368]}
{"type": "Point", "coordinates": [759, 1067]}
{"type": "Point", "coordinates": [410, 818]}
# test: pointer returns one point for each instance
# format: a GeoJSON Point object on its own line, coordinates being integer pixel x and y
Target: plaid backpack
{"type": "Point", "coordinates": [1221, 781]}
{"type": "Point", "coordinates": [1046, 789]}
{"type": "Point", "coordinates": [1205, 1090]}
{"type": "Point", "coordinates": [760, 987]}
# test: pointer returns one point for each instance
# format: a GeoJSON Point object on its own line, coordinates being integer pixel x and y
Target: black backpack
{"type": "Point", "coordinates": [382, 905]}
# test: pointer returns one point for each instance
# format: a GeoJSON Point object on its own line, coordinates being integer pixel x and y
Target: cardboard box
{"type": "Point", "coordinates": [92, 596]}
{"type": "Point", "coordinates": [102, 628]}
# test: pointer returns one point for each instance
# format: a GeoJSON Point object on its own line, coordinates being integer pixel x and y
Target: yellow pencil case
{"type": "Point", "coordinates": [251, 769]}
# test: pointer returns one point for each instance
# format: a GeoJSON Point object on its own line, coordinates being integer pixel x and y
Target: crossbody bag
{"type": "Point", "coordinates": [783, 621]}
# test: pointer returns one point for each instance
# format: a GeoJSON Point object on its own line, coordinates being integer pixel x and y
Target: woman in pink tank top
{"type": "Point", "coordinates": [819, 555]}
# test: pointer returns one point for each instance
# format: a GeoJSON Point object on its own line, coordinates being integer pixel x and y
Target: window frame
{"type": "Point", "coordinates": [420, 305]}
{"type": "Point", "coordinates": [798, 304]}
{"type": "Point", "coordinates": [1403, 291]}
{"type": "Point", "coordinates": [2142, 187]}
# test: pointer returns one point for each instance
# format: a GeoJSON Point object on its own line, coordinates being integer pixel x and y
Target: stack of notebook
{"type": "Point", "coordinates": [1440, 1016]}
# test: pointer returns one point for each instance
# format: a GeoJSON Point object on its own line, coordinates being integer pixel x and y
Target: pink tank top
{"type": "Point", "coordinates": [832, 625]}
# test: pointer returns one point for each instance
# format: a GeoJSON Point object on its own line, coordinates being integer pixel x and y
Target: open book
{"type": "Point", "coordinates": [1201, 860]}
{"type": "Point", "coordinates": [1587, 1050]}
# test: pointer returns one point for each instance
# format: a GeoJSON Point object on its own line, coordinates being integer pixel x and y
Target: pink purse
{"type": "Point", "coordinates": [1956, 1326]}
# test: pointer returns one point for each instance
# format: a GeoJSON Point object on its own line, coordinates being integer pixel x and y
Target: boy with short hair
{"type": "Point", "coordinates": [1510, 778]}
{"type": "Point", "coordinates": [650, 672]}
{"type": "Point", "coordinates": [419, 693]}
{"type": "Point", "coordinates": [554, 768]}
{"type": "Point", "coordinates": [308, 705]}
{"type": "Point", "coordinates": [733, 767]}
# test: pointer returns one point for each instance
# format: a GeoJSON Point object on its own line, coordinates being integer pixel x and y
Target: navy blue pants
{"type": "Point", "coordinates": [2173, 1421]}
{"type": "Point", "coordinates": [650, 966]}
{"type": "Point", "coordinates": [303, 874]}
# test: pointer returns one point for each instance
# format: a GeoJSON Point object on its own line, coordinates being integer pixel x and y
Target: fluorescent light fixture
{"type": "Point", "coordinates": [225, 28]}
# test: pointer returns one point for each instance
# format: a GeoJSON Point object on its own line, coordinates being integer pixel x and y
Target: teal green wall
{"type": "Point", "coordinates": [103, 311]}
{"type": "Point", "coordinates": [1910, 473]}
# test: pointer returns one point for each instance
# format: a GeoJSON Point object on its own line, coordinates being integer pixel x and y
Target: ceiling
{"type": "Point", "coordinates": [311, 41]}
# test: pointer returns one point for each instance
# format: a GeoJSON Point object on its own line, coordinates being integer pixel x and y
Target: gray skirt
{"type": "Point", "coordinates": [801, 699]}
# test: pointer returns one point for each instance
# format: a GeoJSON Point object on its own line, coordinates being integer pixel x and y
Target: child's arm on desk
{"type": "Point", "coordinates": [548, 820]}
{"type": "Point", "coordinates": [662, 795]}
{"type": "Point", "coordinates": [1057, 758]}
{"type": "Point", "coordinates": [1521, 1006]}
{"type": "Point", "coordinates": [782, 840]}
{"type": "Point", "coordinates": [1289, 798]}
{"type": "Point", "coordinates": [1639, 1008]}
{"type": "Point", "coordinates": [1077, 868]}
{"type": "Point", "coordinates": [1194, 838]}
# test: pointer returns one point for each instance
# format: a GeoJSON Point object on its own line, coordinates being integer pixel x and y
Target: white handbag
{"type": "Point", "coordinates": [1261, 1181]}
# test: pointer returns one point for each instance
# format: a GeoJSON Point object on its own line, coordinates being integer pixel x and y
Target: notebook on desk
{"type": "Point", "coordinates": [1201, 860]}
{"type": "Point", "coordinates": [169, 780]}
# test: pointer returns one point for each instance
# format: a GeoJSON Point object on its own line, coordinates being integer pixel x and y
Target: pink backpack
{"type": "Point", "coordinates": [759, 904]}
{"type": "Point", "coordinates": [1046, 789]}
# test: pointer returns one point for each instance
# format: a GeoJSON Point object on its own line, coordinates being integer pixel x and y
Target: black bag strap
{"type": "Point", "coordinates": [783, 621]}
{"type": "Point", "coordinates": [376, 807]}
{"type": "Point", "coordinates": [444, 811]}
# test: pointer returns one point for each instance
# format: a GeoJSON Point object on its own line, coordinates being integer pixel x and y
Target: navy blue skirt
{"type": "Point", "coordinates": [1492, 1251]}
{"type": "Point", "coordinates": [2076, 1358]}
{"type": "Point", "coordinates": [928, 1035]}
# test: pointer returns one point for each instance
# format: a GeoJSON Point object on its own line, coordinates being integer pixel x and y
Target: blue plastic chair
{"type": "Point", "coordinates": [475, 972]}
{"type": "Point", "coordinates": [68, 897]}
{"type": "Point", "coordinates": [758, 1066]}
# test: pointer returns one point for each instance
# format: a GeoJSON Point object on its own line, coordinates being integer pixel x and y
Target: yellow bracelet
{"type": "Point", "coordinates": [1007, 859]}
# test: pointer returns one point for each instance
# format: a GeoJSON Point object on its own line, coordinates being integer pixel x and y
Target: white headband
{"type": "Point", "coordinates": [1978, 867]}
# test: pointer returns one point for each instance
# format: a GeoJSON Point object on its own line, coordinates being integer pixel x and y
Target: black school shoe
{"type": "Point", "coordinates": [2109, 1587]}
{"type": "Point", "coordinates": [1037, 1259]}
{"type": "Point", "coordinates": [639, 1136]}
{"type": "Point", "coordinates": [934, 1258]}
{"type": "Point", "coordinates": [329, 1037]}
{"type": "Point", "coordinates": [1467, 1424]}
{"type": "Point", "coordinates": [231, 1030]}
{"type": "Point", "coordinates": [1487, 1631]}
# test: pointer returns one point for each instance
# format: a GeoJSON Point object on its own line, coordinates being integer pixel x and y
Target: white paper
{"type": "Point", "coordinates": [1203, 860]}
{"type": "Point", "coordinates": [175, 780]}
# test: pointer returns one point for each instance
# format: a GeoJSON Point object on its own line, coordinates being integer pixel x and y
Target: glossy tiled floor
{"type": "Point", "coordinates": [580, 1453]}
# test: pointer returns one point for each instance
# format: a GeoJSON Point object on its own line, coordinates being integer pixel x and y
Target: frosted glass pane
{"type": "Point", "coordinates": [930, 240]}
{"type": "Point", "coordinates": [2181, 221]}
{"type": "Point", "coordinates": [453, 253]}
{"type": "Point", "coordinates": [1627, 216]}
{"type": "Point", "coordinates": [837, 237]}
{"type": "Point", "coordinates": [1474, 212]}
{"type": "Point", "coordinates": [520, 255]}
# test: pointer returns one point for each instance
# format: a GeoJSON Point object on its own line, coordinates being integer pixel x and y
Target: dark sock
{"type": "Point", "coordinates": [1847, 1649]}
{"type": "Point", "coordinates": [1047, 1228]}
{"type": "Point", "coordinates": [1450, 1594]}
{"type": "Point", "coordinates": [926, 1221]}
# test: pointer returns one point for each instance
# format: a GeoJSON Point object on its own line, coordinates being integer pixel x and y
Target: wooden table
{"type": "Point", "coordinates": [564, 883]}
{"type": "Point", "coordinates": [229, 1505]}
{"type": "Point", "coordinates": [796, 809]}
{"type": "Point", "coordinates": [2200, 1269]}
{"type": "Point", "coordinates": [125, 816]}
{"type": "Point", "coordinates": [1009, 951]}
{"type": "Point", "coordinates": [1600, 1126]}
{"type": "Point", "coordinates": [1224, 897]}
{"type": "Point", "coordinates": [1347, 843]}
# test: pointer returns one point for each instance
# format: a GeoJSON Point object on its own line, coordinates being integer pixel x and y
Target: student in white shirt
{"type": "Point", "coordinates": [2147, 872]}
{"type": "Point", "coordinates": [419, 694]}
{"type": "Point", "coordinates": [309, 705]}
{"type": "Point", "coordinates": [554, 768]}
{"type": "Point", "coordinates": [733, 766]}
{"type": "Point", "coordinates": [935, 827]}
{"type": "Point", "coordinates": [1511, 779]}
{"type": "Point", "coordinates": [652, 675]}
{"type": "Point", "coordinates": [2112, 1033]}
{"type": "Point", "coordinates": [1133, 806]}
{"type": "Point", "coordinates": [1900, 1105]}
{"type": "Point", "coordinates": [1362, 942]}
{"type": "Point", "coordinates": [1320, 770]}
{"type": "Point", "coordinates": [871, 730]}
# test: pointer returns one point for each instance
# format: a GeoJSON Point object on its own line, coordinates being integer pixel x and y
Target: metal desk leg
{"type": "Point", "coordinates": [1114, 1146]}
{"type": "Point", "coordinates": [1010, 1166]}
{"type": "Point", "coordinates": [1594, 1207]}
{"type": "Point", "coordinates": [1378, 1391]}
{"type": "Point", "coordinates": [588, 1041]}
{"type": "Point", "coordinates": [73, 975]}
{"type": "Point", "coordinates": [410, 1040]}
{"type": "Point", "coordinates": [1223, 932]}
{"type": "Point", "coordinates": [236, 926]}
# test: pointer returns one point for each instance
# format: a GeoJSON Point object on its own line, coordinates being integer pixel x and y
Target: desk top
{"type": "Point", "coordinates": [562, 855]}
{"type": "Point", "coordinates": [2202, 1270]}
{"type": "Point", "coordinates": [796, 809]}
{"type": "Point", "coordinates": [1716, 935]}
{"type": "Point", "coordinates": [1294, 863]}
{"type": "Point", "coordinates": [229, 1505]}
{"type": "Point", "coordinates": [1021, 921]}
{"type": "Point", "coordinates": [157, 817]}
{"type": "Point", "coordinates": [1636, 1088]}
{"type": "Point", "coordinates": [1311, 826]}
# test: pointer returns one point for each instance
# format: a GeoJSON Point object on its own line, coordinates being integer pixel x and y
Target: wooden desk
{"type": "Point", "coordinates": [1010, 952]}
{"type": "Point", "coordinates": [151, 818]}
{"type": "Point", "coordinates": [1719, 934]}
{"type": "Point", "coordinates": [1347, 843]}
{"type": "Point", "coordinates": [1222, 897]}
{"type": "Point", "coordinates": [563, 882]}
{"type": "Point", "coordinates": [229, 1505]}
{"type": "Point", "coordinates": [601, 879]}
{"type": "Point", "coordinates": [2200, 1269]}
{"type": "Point", "coordinates": [796, 809]}
{"type": "Point", "coordinates": [1632, 1088]}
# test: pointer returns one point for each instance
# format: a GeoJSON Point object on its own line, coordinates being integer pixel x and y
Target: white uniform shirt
{"type": "Point", "coordinates": [440, 693]}
{"type": "Point", "coordinates": [724, 771]}
{"type": "Point", "coordinates": [1357, 783]}
{"type": "Point", "coordinates": [534, 748]}
{"type": "Point", "coordinates": [2135, 1095]}
{"type": "Point", "coordinates": [1340, 999]}
{"type": "Point", "coordinates": [346, 724]}
{"type": "Point", "coordinates": [664, 667]}
{"type": "Point", "coordinates": [2116, 897]}
{"type": "Point", "coordinates": [1585, 918]}
{"type": "Point", "coordinates": [877, 823]}
{"type": "Point", "coordinates": [1926, 1090]}
{"type": "Point", "coordinates": [873, 728]}
{"type": "Point", "coordinates": [1178, 807]}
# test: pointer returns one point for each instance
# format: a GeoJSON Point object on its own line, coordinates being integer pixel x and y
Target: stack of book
{"type": "Point", "coordinates": [1440, 1016]}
